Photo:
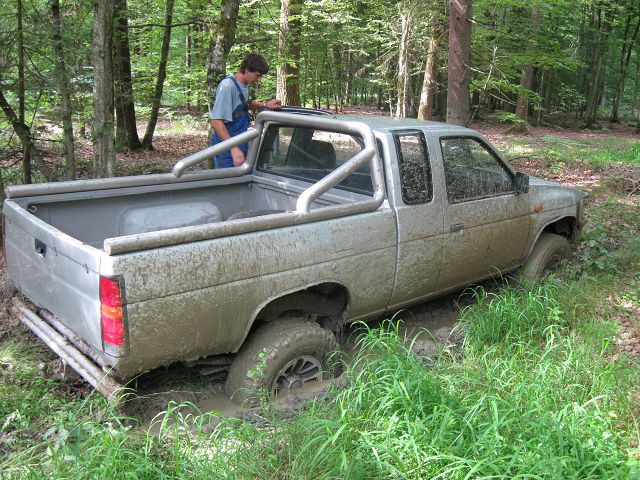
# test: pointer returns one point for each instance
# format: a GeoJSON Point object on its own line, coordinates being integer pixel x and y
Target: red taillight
{"type": "Point", "coordinates": [112, 331]}
{"type": "Point", "coordinates": [110, 291]}
{"type": "Point", "coordinates": [111, 314]}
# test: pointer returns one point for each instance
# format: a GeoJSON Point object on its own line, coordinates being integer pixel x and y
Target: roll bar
{"type": "Point", "coordinates": [368, 154]}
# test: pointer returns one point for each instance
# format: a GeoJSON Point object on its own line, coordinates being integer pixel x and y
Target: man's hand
{"type": "Point", "coordinates": [237, 156]}
{"type": "Point", "coordinates": [274, 104]}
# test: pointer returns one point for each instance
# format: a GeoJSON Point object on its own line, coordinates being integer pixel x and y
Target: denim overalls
{"type": "Point", "coordinates": [239, 124]}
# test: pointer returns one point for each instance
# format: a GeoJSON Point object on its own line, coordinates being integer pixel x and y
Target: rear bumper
{"type": "Point", "coordinates": [67, 351]}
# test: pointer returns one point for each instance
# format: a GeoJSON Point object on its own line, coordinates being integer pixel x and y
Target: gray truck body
{"type": "Point", "coordinates": [195, 282]}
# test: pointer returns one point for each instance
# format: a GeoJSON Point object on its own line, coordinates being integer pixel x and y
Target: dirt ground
{"type": "Point", "coordinates": [439, 317]}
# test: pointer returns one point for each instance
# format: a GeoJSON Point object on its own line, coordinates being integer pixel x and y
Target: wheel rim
{"type": "Point", "coordinates": [296, 373]}
{"type": "Point", "coordinates": [551, 265]}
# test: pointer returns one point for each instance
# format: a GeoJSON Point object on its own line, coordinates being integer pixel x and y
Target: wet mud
{"type": "Point", "coordinates": [424, 326]}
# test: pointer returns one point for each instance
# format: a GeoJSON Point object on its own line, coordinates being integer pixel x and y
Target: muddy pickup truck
{"type": "Point", "coordinates": [253, 269]}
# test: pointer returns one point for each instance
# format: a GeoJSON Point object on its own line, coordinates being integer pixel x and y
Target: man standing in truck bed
{"type": "Point", "coordinates": [230, 112]}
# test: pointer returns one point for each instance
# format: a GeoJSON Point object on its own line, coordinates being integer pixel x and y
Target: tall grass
{"type": "Point", "coordinates": [532, 392]}
{"type": "Point", "coordinates": [521, 399]}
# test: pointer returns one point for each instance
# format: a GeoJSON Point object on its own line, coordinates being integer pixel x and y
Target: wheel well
{"type": "Point", "coordinates": [565, 226]}
{"type": "Point", "coordinates": [326, 304]}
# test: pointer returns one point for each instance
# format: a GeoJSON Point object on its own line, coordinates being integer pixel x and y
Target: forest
{"type": "Point", "coordinates": [107, 70]}
{"type": "Point", "coordinates": [529, 380]}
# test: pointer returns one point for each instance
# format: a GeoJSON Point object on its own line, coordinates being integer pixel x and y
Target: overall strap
{"type": "Point", "coordinates": [235, 82]}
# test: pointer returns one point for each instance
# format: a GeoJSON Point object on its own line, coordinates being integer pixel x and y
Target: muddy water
{"type": "Point", "coordinates": [422, 325]}
{"type": "Point", "coordinates": [221, 404]}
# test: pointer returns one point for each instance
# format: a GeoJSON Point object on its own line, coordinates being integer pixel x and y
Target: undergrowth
{"type": "Point", "coordinates": [533, 391]}
{"type": "Point", "coordinates": [595, 153]}
{"type": "Point", "coordinates": [520, 399]}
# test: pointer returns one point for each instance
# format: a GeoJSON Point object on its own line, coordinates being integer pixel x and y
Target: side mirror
{"type": "Point", "coordinates": [522, 182]}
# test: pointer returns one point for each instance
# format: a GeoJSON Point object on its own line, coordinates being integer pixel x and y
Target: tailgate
{"type": "Point", "coordinates": [55, 271]}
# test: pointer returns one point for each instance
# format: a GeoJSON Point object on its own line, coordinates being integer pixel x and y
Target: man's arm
{"type": "Point", "coordinates": [222, 112]}
{"type": "Point", "coordinates": [271, 104]}
{"type": "Point", "coordinates": [236, 154]}
{"type": "Point", "coordinates": [219, 127]}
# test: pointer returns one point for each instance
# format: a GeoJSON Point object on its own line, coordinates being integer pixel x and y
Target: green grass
{"type": "Point", "coordinates": [597, 153]}
{"type": "Point", "coordinates": [532, 392]}
{"type": "Point", "coordinates": [520, 400]}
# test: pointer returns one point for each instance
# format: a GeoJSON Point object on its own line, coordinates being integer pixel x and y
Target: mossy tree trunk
{"type": "Point", "coordinates": [104, 160]}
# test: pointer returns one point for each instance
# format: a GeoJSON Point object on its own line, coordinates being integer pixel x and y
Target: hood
{"type": "Point", "coordinates": [552, 195]}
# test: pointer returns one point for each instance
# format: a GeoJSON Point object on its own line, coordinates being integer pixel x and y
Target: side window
{"type": "Point", "coordinates": [472, 171]}
{"type": "Point", "coordinates": [413, 163]}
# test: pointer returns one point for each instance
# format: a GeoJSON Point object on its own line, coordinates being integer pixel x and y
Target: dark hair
{"type": "Point", "coordinates": [254, 63]}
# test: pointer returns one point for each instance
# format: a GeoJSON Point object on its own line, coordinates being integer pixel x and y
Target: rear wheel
{"type": "Point", "coordinates": [282, 355]}
{"type": "Point", "coordinates": [548, 252]}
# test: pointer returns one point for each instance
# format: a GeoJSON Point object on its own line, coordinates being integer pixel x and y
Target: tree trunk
{"type": "Point", "coordinates": [427, 94]}
{"type": "Point", "coordinates": [543, 97]}
{"type": "Point", "coordinates": [162, 74]}
{"type": "Point", "coordinates": [62, 81]}
{"type": "Point", "coordinates": [125, 106]}
{"type": "Point", "coordinates": [636, 93]}
{"type": "Point", "coordinates": [338, 82]}
{"type": "Point", "coordinates": [24, 134]}
{"type": "Point", "coordinates": [594, 86]}
{"type": "Point", "coordinates": [403, 86]}
{"type": "Point", "coordinates": [187, 67]}
{"type": "Point", "coordinates": [601, 22]}
{"type": "Point", "coordinates": [458, 71]}
{"type": "Point", "coordinates": [104, 159]}
{"type": "Point", "coordinates": [222, 39]}
{"type": "Point", "coordinates": [625, 60]}
{"type": "Point", "coordinates": [288, 83]}
{"type": "Point", "coordinates": [26, 155]}
{"type": "Point", "coordinates": [348, 79]}
{"type": "Point", "coordinates": [121, 132]}
{"type": "Point", "coordinates": [522, 102]}
{"type": "Point", "coordinates": [526, 80]}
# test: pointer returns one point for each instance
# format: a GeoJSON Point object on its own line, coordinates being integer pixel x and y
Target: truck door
{"type": "Point", "coordinates": [486, 221]}
{"type": "Point", "coordinates": [419, 217]}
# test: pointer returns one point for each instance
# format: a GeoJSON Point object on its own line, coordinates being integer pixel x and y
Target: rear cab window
{"type": "Point", "coordinates": [306, 153]}
{"type": "Point", "coordinates": [414, 167]}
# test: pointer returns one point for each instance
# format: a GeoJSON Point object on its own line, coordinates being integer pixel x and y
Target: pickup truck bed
{"type": "Point", "coordinates": [93, 217]}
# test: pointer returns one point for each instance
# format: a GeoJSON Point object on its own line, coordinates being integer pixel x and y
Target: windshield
{"type": "Point", "coordinates": [309, 154]}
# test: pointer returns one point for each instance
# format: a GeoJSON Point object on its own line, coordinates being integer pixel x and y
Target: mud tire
{"type": "Point", "coordinates": [279, 341]}
{"type": "Point", "coordinates": [548, 252]}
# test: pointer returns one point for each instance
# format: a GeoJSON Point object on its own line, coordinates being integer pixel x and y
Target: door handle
{"type": "Point", "coordinates": [456, 228]}
{"type": "Point", "coordinates": [41, 248]}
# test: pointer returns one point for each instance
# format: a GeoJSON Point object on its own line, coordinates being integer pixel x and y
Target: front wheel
{"type": "Point", "coordinates": [548, 252]}
{"type": "Point", "coordinates": [282, 355]}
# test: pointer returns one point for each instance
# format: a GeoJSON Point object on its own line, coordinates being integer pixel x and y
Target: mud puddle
{"type": "Point", "coordinates": [423, 326]}
{"type": "Point", "coordinates": [151, 410]}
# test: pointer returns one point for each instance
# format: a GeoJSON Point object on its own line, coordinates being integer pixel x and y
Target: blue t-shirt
{"type": "Point", "coordinates": [227, 100]}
